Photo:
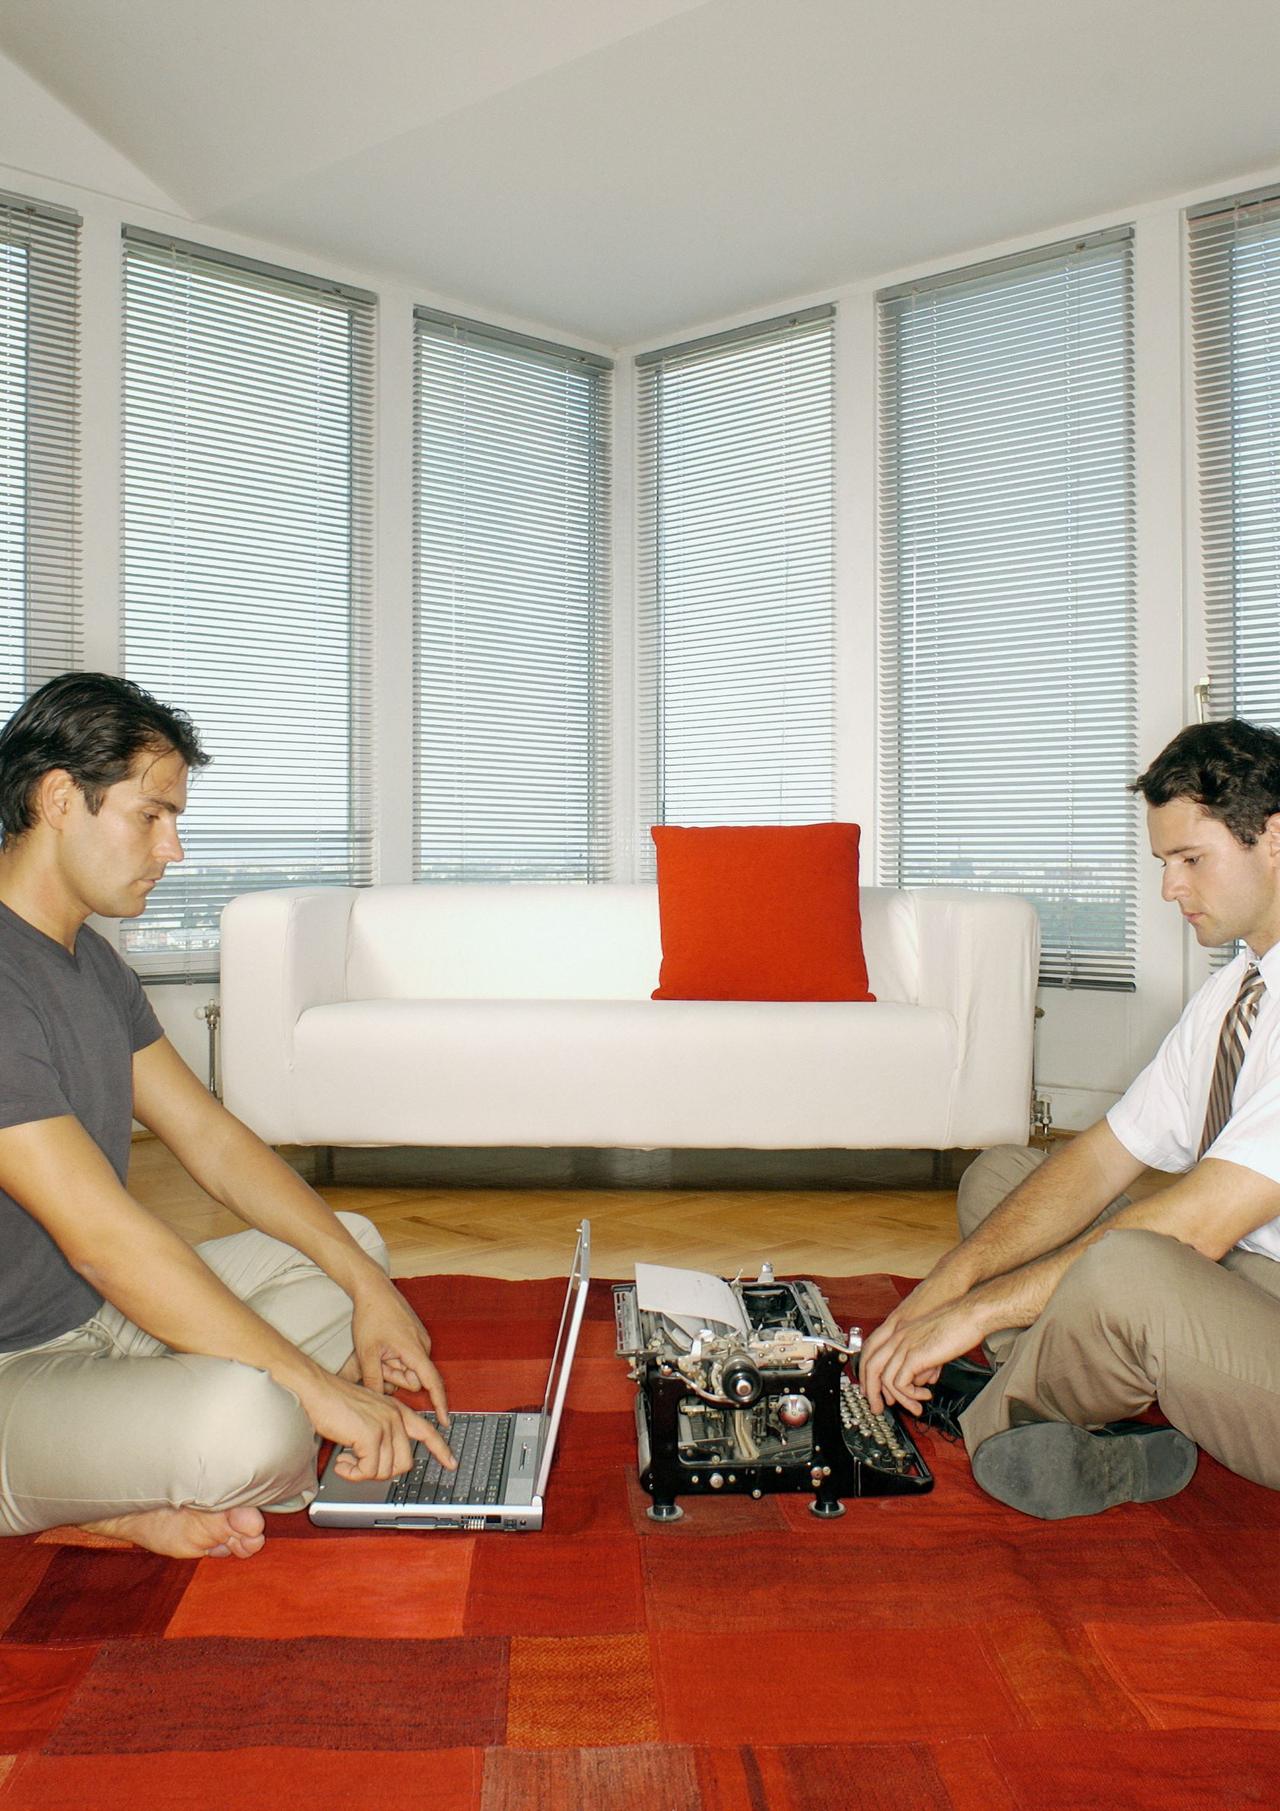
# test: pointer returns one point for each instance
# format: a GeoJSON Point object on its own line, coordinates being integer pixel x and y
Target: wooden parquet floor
{"type": "Point", "coordinates": [528, 1232]}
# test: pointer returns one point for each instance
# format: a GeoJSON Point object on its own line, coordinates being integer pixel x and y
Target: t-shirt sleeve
{"type": "Point", "coordinates": [144, 1026]}
{"type": "Point", "coordinates": [29, 1084]}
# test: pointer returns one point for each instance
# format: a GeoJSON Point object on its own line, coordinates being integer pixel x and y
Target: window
{"type": "Point", "coordinates": [246, 573]}
{"type": "Point", "coordinates": [511, 515]}
{"type": "Point", "coordinates": [736, 608]}
{"type": "Point", "coordinates": [39, 427]}
{"type": "Point", "coordinates": [1235, 298]}
{"type": "Point", "coordinates": [1007, 625]}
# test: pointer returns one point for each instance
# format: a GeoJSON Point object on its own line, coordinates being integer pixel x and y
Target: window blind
{"type": "Point", "coordinates": [39, 435]}
{"type": "Point", "coordinates": [736, 570]}
{"type": "Point", "coordinates": [511, 579]}
{"type": "Point", "coordinates": [1007, 594]}
{"type": "Point", "coordinates": [247, 470]}
{"type": "Point", "coordinates": [1235, 304]}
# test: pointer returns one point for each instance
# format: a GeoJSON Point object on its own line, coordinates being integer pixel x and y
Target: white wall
{"type": "Point", "coordinates": [1089, 1044]}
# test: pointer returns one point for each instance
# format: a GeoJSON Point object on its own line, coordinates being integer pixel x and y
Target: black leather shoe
{"type": "Point", "coordinates": [958, 1383]}
{"type": "Point", "coordinates": [1054, 1469]}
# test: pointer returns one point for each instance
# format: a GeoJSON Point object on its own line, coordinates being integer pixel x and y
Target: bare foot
{"type": "Point", "coordinates": [188, 1533]}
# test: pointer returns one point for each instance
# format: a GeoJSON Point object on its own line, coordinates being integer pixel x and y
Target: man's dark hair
{"type": "Point", "coordinates": [1232, 768]}
{"type": "Point", "coordinates": [91, 725]}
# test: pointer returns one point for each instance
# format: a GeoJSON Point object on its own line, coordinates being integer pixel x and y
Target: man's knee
{"type": "Point", "coordinates": [367, 1236]}
{"type": "Point", "coordinates": [1123, 1278]}
{"type": "Point", "coordinates": [989, 1178]}
{"type": "Point", "coordinates": [244, 1438]}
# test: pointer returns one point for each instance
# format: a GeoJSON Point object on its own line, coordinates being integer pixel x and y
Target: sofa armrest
{"type": "Point", "coordinates": [282, 952]}
{"type": "Point", "coordinates": [979, 961]}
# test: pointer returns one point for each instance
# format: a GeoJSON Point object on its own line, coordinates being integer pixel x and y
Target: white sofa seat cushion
{"type": "Point", "coordinates": [733, 1074]}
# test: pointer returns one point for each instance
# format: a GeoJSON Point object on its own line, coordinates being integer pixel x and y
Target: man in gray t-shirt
{"type": "Point", "coordinates": [147, 1390]}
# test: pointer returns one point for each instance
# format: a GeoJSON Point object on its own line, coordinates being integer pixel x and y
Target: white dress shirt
{"type": "Point", "coordinates": [1160, 1119]}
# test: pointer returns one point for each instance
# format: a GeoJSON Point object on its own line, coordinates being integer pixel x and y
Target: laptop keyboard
{"type": "Point", "coordinates": [479, 1443]}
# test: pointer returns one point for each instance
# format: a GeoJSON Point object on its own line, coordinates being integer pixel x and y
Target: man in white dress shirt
{"type": "Point", "coordinates": [1091, 1306]}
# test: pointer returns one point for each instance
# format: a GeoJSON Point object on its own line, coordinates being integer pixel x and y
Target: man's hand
{"type": "Point", "coordinates": [378, 1430]}
{"type": "Point", "coordinates": [393, 1348]}
{"type": "Point", "coordinates": [905, 1354]}
{"type": "Point", "coordinates": [938, 1290]}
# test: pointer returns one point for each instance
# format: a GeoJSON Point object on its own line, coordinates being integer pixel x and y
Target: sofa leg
{"type": "Point", "coordinates": [324, 1166]}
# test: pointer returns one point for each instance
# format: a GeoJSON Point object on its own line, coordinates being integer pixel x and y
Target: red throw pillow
{"type": "Point", "coordinates": [760, 913]}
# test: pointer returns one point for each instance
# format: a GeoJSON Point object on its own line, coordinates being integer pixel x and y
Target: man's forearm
{"type": "Point", "coordinates": [164, 1287]}
{"type": "Point", "coordinates": [248, 1177]}
{"type": "Point", "coordinates": [1209, 1209]}
{"type": "Point", "coordinates": [232, 1164]}
{"type": "Point", "coordinates": [1044, 1213]}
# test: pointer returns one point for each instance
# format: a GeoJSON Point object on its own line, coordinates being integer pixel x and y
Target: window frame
{"type": "Point", "coordinates": [1070, 961]}
{"type": "Point", "coordinates": [48, 494]}
{"type": "Point", "coordinates": [803, 776]}
{"type": "Point", "coordinates": [342, 545]}
{"type": "Point", "coordinates": [554, 404]}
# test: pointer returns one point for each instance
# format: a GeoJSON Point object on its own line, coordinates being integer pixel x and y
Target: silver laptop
{"type": "Point", "coordinates": [504, 1457]}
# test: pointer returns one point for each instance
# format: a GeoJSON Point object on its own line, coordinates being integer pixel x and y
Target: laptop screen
{"type": "Point", "coordinates": [575, 1301]}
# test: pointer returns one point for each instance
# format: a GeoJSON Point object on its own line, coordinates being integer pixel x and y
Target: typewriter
{"type": "Point", "coordinates": [763, 1397]}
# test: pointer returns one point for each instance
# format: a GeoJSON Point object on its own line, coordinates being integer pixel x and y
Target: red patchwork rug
{"type": "Point", "coordinates": [931, 1654]}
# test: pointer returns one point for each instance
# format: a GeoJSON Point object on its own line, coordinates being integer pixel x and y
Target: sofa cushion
{"type": "Point", "coordinates": [524, 941]}
{"type": "Point", "coordinates": [760, 912]}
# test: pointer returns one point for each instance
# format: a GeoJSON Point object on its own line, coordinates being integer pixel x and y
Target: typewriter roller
{"type": "Point", "coordinates": [775, 1408]}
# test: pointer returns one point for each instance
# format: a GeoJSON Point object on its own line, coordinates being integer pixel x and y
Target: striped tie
{"type": "Point", "coordinates": [1232, 1041]}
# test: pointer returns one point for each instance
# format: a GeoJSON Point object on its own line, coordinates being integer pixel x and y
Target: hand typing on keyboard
{"type": "Point", "coordinates": [479, 1444]}
{"type": "Point", "coordinates": [392, 1347]}
{"type": "Point", "coordinates": [378, 1431]}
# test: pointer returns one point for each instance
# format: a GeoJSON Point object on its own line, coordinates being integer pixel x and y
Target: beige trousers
{"type": "Point", "coordinates": [106, 1420]}
{"type": "Point", "coordinates": [1139, 1318]}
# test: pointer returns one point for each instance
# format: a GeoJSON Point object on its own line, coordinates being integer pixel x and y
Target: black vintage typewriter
{"type": "Point", "coordinates": [767, 1403]}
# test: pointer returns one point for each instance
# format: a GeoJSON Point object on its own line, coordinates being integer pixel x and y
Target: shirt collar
{"type": "Point", "coordinates": [1269, 966]}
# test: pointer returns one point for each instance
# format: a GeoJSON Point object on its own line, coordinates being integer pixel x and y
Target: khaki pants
{"type": "Point", "coordinates": [106, 1420]}
{"type": "Point", "coordinates": [1139, 1318]}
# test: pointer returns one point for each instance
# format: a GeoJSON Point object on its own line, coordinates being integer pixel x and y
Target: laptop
{"type": "Point", "coordinates": [504, 1457]}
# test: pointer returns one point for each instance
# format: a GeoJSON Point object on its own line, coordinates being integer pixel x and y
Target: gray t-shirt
{"type": "Point", "coordinates": [69, 1027]}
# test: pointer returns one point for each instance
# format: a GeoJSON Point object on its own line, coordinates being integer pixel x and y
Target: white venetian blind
{"type": "Point", "coordinates": [736, 564]}
{"type": "Point", "coordinates": [1235, 301]}
{"type": "Point", "coordinates": [39, 432]}
{"type": "Point", "coordinates": [1007, 594]}
{"type": "Point", "coordinates": [511, 580]}
{"type": "Point", "coordinates": [247, 457]}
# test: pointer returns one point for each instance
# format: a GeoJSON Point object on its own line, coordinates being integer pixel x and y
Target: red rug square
{"type": "Point", "coordinates": [1163, 1770]}
{"type": "Point", "coordinates": [580, 1691]}
{"type": "Point", "coordinates": [886, 1685]}
{"type": "Point", "coordinates": [1210, 1676]}
{"type": "Point", "coordinates": [640, 1778]}
{"type": "Point", "coordinates": [102, 1596]}
{"type": "Point", "coordinates": [283, 1779]}
{"type": "Point", "coordinates": [555, 1586]}
{"type": "Point", "coordinates": [35, 1684]}
{"type": "Point", "coordinates": [376, 1587]}
{"type": "Point", "coordinates": [22, 1565]}
{"type": "Point", "coordinates": [313, 1693]}
{"type": "Point", "coordinates": [855, 1777]}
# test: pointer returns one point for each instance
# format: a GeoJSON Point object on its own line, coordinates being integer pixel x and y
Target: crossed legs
{"type": "Point", "coordinates": [1141, 1318]}
{"type": "Point", "coordinates": [107, 1428]}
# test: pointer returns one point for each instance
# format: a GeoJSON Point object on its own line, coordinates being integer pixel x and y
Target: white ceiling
{"type": "Point", "coordinates": [626, 169]}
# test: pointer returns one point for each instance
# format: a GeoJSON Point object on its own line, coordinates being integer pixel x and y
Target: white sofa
{"type": "Point", "coordinates": [520, 1015]}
